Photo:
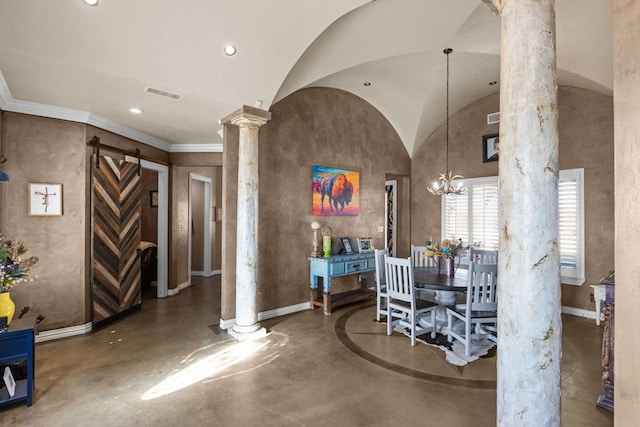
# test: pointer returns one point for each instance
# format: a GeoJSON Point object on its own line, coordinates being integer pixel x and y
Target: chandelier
{"type": "Point", "coordinates": [445, 183]}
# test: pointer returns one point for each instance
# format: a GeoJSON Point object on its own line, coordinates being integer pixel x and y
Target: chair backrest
{"type": "Point", "coordinates": [417, 259]}
{"type": "Point", "coordinates": [483, 256]}
{"type": "Point", "coordinates": [380, 255]}
{"type": "Point", "coordinates": [482, 292]}
{"type": "Point", "coordinates": [399, 274]}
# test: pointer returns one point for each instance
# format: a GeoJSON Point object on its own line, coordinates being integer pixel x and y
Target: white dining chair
{"type": "Point", "coordinates": [418, 260]}
{"type": "Point", "coordinates": [483, 256]}
{"type": "Point", "coordinates": [481, 306]}
{"type": "Point", "coordinates": [381, 283]}
{"type": "Point", "coordinates": [402, 303]}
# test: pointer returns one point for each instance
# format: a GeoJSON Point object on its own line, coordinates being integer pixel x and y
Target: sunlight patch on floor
{"type": "Point", "coordinates": [198, 369]}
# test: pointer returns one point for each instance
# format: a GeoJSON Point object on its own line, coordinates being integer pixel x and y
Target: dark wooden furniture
{"type": "Point", "coordinates": [17, 345]}
{"type": "Point", "coordinates": [605, 400]}
{"type": "Point", "coordinates": [335, 266]}
{"type": "Point", "coordinates": [430, 278]}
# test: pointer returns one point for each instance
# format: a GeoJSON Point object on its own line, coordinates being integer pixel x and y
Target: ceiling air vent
{"type": "Point", "coordinates": [162, 93]}
{"type": "Point", "coordinates": [493, 118]}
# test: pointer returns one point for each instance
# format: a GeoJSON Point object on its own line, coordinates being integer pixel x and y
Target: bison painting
{"type": "Point", "coordinates": [338, 190]}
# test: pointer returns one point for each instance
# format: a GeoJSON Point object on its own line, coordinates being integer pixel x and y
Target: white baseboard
{"type": "Point", "coordinates": [270, 314]}
{"type": "Point", "coordinates": [181, 286]}
{"type": "Point", "coordinates": [215, 273]}
{"type": "Point", "coordinates": [198, 273]}
{"type": "Point", "coordinates": [70, 331]}
{"type": "Point", "coordinates": [579, 312]}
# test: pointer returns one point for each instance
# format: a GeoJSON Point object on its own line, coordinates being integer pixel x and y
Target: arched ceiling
{"type": "Point", "coordinates": [100, 60]}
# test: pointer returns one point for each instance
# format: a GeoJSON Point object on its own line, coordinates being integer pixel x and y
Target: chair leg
{"type": "Point", "coordinates": [433, 323]}
{"type": "Point", "coordinates": [378, 304]}
{"type": "Point", "coordinates": [467, 338]}
{"type": "Point", "coordinates": [389, 316]}
{"type": "Point", "coordinates": [413, 330]}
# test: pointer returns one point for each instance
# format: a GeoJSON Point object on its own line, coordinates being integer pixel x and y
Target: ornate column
{"type": "Point", "coordinates": [529, 323]}
{"type": "Point", "coordinates": [248, 119]}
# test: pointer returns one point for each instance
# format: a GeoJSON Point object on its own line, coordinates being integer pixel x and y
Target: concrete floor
{"type": "Point", "coordinates": [168, 364]}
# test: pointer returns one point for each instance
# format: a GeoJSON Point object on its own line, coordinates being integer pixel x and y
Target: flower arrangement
{"type": "Point", "coordinates": [13, 268]}
{"type": "Point", "coordinates": [446, 249]}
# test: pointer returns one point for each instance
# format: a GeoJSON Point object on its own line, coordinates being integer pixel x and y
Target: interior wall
{"type": "Point", "coordinates": [182, 164]}
{"type": "Point", "coordinates": [48, 151]}
{"type": "Point", "coordinates": [625, 16]}
{"type": "Point", "coordinates": [149, 223]}
{"type": "Point", "coordinates": [316, 126]}
{"type": "Point", "coordinates": [197, 225]}
{"type": "Point", "coordinates": [586, 141]}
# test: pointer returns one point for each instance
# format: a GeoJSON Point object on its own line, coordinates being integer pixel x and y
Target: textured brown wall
{"type": "Point", "coordinates": [197, 225]}
{"type": "Point", "coordinates": [149, 223]}
{"type": "Point", "coordinates": [316, 126]}
{"type": "Point", "coordinates": [205, 164]}
{"type": "Point", "coordinates": [586, 141]}
{"type": "Point", "coordinates": [49, 151]}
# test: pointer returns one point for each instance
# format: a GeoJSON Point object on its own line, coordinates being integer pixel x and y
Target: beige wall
{"type": "Point", "coordinates": [625, 15]}
{"type": "Point", "coordinates": [586, 141]}
{"type": "Point", "coordinates": [182, 165]}
{"type": "Point", "coordinates": [48, 151]}
{"type": "Point", "coordinates": [149, 222]}
{"type": "Point", "coordinates": [314, 126]}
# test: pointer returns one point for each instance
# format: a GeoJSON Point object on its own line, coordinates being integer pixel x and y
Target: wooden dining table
{"type": "Point", "coordinates": [446, 288]}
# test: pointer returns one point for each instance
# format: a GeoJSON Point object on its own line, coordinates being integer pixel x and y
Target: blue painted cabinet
{"type": "Point", "coordinates": [17, 347]}
{"type": "Point", "coordinates": [335, 266]}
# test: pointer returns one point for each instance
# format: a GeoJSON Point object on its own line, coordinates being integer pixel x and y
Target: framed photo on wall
{"type": "Point", "coordinates": [490, 147]}
{"type": "Point", "coordinates": [45, 199]}
{"type": "Point", "coordinates": [153, 198]}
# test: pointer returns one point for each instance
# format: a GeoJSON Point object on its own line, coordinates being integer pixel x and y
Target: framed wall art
{"type": "Point", "coordinates": [346, 244]}
{"type": "Point", "coordinates": [335, 192]}
{"type": "Point", "coordinates": [490, 148]}
{"type": "Point", "coordinates": [153, 198]}
{"type": "Point", "coordinates": [45, 199]}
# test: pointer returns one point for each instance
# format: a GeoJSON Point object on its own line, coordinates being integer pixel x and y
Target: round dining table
{"type": "Point", "coordinates": [445, 287]}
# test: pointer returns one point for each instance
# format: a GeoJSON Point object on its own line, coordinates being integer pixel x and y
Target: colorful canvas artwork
{"type": "Point", "coordinates": [335, 192]}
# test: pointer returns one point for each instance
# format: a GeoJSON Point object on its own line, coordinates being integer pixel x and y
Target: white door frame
{"type": "Point", "coordinates": [207, 223]}
{"type": "Point", "coordinates": [163, 222]}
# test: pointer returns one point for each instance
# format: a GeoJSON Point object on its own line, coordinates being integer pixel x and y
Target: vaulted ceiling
{"type": "Point", "coordinates": [65, 59]}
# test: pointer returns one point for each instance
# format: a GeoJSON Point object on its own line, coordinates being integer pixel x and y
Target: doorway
{"type": "Point", "coordinates": [162, 290]}
{"type": "Point", "coordinates": [391, 215]}
{"type": "Point", "coordinates": [200, 233]}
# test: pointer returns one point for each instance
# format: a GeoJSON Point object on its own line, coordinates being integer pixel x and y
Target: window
{"type": "Point", "coordinates": [473, 217]}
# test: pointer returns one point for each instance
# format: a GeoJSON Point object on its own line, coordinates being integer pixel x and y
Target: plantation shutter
{"type": "Point", "coordinates": [484, 213]}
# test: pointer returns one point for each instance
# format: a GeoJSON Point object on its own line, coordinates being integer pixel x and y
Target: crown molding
{"type": "Point", "coordinates": [7, 103]}
{"type": "Point", "coordinates": [196, 148]}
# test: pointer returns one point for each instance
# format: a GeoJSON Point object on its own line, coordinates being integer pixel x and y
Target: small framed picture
{"type": "Point", "coordinates": [153, 198]}
{"type": "Point", "coordinates": [45, 199]}
{"type": "Point", "coordinates": [490, 147]}
{"type": "Point", "coordinates": [346, 244]}
{"type": "Point", "coordinates": [365, 244]}
{"type": "Point", "coordinates": [9, 382]}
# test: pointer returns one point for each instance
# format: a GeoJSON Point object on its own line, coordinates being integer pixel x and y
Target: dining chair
{"type": "Point", "coordinates": [481, 306]}
{"type": "Point", "coordinates": [402, 303]}
{"type": "Point", "coordinates": [483, 256]}
{"type": "Point", "coordinates": [381, 283]}
{"type": "Point", "coordinates": [417, 260]}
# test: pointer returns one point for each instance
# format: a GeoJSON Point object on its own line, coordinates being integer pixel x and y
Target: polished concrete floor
{"type": "Point", "coordinates": [169, 365]}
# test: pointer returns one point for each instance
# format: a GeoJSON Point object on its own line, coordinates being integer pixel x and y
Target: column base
{"type": "Point", "coordinates": [247, 335]}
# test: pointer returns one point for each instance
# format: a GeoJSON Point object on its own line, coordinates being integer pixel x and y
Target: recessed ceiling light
{"type": "Point", "coordinates": [229, 50]}
{"type": "Point", "coordinates": [136, 110]}
{"type": "Point", "coordinates": [367, 83]}
{"type": "Point", "coordinates": [91, 2]}
{"type": "Point", "coordinates": [493, 83]}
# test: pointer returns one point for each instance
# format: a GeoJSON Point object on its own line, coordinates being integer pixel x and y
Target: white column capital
{"type": "Point", "coordinates": [247, 116]}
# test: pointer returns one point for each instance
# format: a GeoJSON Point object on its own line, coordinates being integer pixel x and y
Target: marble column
{"type": "Point", "coordinates": [529, 323]}
{"type": "Point", "coordinates": [248, 119]}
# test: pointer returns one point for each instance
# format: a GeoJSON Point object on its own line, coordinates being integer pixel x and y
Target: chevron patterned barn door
{"type": "Point", "coordinates": [116, 236]}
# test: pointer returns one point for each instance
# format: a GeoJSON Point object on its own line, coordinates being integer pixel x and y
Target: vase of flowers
{"type": "Point", "coordinates": [14, 269]}
{"type": "Point", "coordinates": [446, 253]}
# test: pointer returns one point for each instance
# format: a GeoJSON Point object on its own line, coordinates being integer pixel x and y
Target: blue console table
{"type": "Point", "coordinates": [335, 266]}
{"type": "Point", "coordinates": [18, 345]}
